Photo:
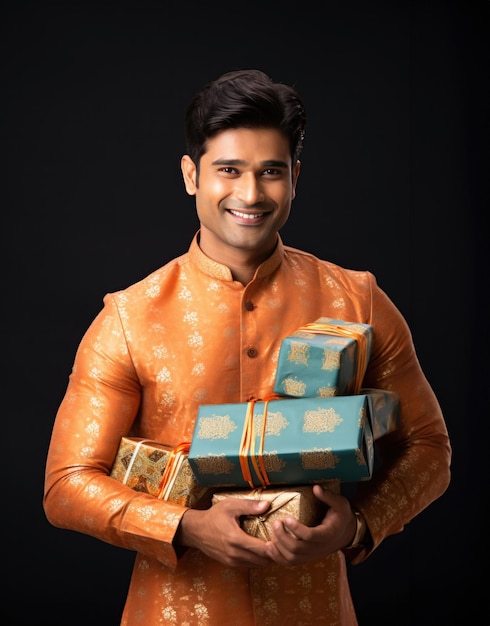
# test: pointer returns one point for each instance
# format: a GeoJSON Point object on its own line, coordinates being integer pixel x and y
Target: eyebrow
{"type": "Point", "coordinates": [241, 163]}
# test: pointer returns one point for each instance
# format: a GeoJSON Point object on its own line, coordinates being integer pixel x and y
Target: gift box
{"type": "Point", "coordinates": [283, 441]}
{"type": "Point", "coordinates": [159, 470]}
{"type": "Point", "coordinates": [325, 358]}
{"type": "Point", "coordinates": [298, 502]}
{"type": "Point", "coordinates": [384, 411]}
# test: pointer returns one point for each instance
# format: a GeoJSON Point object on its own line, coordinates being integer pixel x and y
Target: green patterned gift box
{"type": "Point", "coordinates": [323, 359]}
{"type": "Point", "coordinates": [290, 441]}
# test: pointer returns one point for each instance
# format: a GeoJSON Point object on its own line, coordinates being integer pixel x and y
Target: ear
{"type": "Point", "coordinates": [188, 168]}
{"type": "Point", "coordinates": [296, 170]}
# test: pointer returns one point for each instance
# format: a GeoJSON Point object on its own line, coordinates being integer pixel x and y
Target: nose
{"type": "Point", "coordinates": [249, 189]}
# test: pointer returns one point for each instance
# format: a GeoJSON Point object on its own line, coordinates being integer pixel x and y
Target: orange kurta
{"type": "Point", "coordinates": [189, 334]}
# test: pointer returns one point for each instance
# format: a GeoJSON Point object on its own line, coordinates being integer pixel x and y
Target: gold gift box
{"type": "Point", "coordinates": [160, 470]}
{"type": "Point", "coordinates": [298, 502]}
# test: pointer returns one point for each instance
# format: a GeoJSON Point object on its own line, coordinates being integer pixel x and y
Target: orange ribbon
{"type": "Point", "coordinates": [247, 446]}
{"type": "Point", "coordinates": [345, 331]}
{"type": "Point", "coordinates": [172, 468]}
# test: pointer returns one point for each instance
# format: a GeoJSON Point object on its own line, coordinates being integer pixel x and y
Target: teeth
{"type": "Point", "coordinates": [248, 216]}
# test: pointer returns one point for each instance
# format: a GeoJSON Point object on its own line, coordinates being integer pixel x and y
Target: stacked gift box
{"type": "Point", "coordinates": [319, 427]}
{"type": "Point", "coordinates": [324, 429]}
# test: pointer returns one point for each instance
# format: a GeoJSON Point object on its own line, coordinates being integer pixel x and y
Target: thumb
{"type": "Point", "coordinates": [253, 507]}
{"type": "Point", "coordinates": [325, 495]}
{"type": "Point", "coordinates": [243, 506]}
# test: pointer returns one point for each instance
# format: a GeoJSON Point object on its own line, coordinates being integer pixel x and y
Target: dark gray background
{"type": "Point", "coordinates": [394, 180]}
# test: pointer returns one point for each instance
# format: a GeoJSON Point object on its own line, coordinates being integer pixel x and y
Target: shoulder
{"type": "Point", "coordinates": [152, 284]}
{"type": "Point", "coordinates": [301, 260]}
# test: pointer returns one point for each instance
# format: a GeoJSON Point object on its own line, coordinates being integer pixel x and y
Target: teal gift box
{"type": "Point", "coordinates": [384, 411]}
{"type": "Point", "coordinates": [323, 359]}
{"type": "Point", "coordinates": [285, 441]}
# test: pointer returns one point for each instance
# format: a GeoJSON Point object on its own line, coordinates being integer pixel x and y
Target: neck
{"type": "Point", "coordinates": [241, 262]}
{"type": "Point", "coordinates": [243, 274]}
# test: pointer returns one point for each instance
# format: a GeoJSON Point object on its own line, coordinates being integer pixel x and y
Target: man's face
{"type": "Point", "coordinates": [246, 186]}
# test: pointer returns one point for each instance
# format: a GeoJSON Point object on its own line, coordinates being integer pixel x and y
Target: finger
{"type": "Point", "coordinates": [289, 537]}
{"type": "Point", "coordinates": [325, 495]}
{"type": "Point", "coordinates": [243, 506]}
{"type": "Point", "coordinates": [237, 548]}
{"type": "Point", "coordinates": [291, 529]}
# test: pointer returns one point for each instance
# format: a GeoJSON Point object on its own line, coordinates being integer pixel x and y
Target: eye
{"type": "Point", "coordinates": [227, 170]}
{"type": "Point", "coordinates": [272, 172]}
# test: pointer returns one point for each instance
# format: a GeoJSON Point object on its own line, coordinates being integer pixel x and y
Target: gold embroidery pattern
{"type": "Point", "coordinates": [216, 427]}
{"type": "Point", "coordinates": [321, 421]}
{"type": "Point", "coordinates": [362, 417]}
{"type": "Point", "coordinates": [294, 387]}
{"type": "Point", "coordinates": [318, 459]}
{"type": "Point", "coordinates": [341, 342]}
{"type": "Point", "coordinates": [304, 334]}
{"type": "Point", "coordinates": [215, 464]}
{"type": "Point", "coordinates": [275, 423]}
{"type": "Point", "coordinates": [299, 352]}
{"type": "Point", "coordinates": [272, 462]}
{"type": "Point", "coordinates": [327, 392]}
{"type": "Point", "coordinates": [331, 360]}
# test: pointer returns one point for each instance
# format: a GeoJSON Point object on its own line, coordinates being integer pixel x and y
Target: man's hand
{"type": "Point", "coordinates": [216, 532]}
{"type": "Point", "coordinates": [294, 543]}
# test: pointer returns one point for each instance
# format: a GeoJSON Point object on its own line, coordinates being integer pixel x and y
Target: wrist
{"type": "Point", "coordinates": [358, 541]}
{"type": "Point", "coordinates": [185, 534]}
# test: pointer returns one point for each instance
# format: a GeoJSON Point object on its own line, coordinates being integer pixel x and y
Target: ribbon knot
{"type": "Point", "coordinates": [174, 463]}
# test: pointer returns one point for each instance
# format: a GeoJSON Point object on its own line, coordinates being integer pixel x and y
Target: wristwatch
{"type": "Point", "coordinates": [360, 533]}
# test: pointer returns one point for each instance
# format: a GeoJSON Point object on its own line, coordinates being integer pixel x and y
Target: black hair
{"type": "Point", "coordinates": [244, 99]}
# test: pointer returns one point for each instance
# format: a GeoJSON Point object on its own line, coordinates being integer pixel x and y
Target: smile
{"type": "Point", "coordinates": [248, 216]}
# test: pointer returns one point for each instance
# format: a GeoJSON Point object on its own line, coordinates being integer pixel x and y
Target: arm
{"type": "Point", "coordinates": [413, 467]}
{"type": "Point", "coordinates": [216, 532]}
{"type": "Point", "coordinates": [414, 461]}
{"type": "Point", "coordinates": [99, 407]}
{"type": "Point", "coordinates": [102, 403]}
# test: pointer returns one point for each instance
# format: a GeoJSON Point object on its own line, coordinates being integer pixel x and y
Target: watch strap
{"type": "Point", "coordinates": [357, 541]}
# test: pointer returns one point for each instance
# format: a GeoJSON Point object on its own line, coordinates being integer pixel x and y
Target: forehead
{"type": "Point", "coordinates": [248, 144]}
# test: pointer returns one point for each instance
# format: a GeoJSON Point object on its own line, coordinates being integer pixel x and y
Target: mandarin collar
{"type": "Point", "coordinates": [222, 272]}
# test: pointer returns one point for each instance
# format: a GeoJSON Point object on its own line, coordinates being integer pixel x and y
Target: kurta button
{"type": "Point", "coordinates": [252, 353]}
{"type": "Point", "coordinates": [249, 306]}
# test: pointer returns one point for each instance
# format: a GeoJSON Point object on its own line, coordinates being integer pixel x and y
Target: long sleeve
{"type": "Point", "coordinates": [186, 335]}
{"type": "Point", "coordinates": [415, 459]}
{"type": "Point", "coordinates": [99, 407]}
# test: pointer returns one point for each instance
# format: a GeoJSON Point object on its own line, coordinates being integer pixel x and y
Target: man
{"type": "Point", "coordinates": [206, 329]}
